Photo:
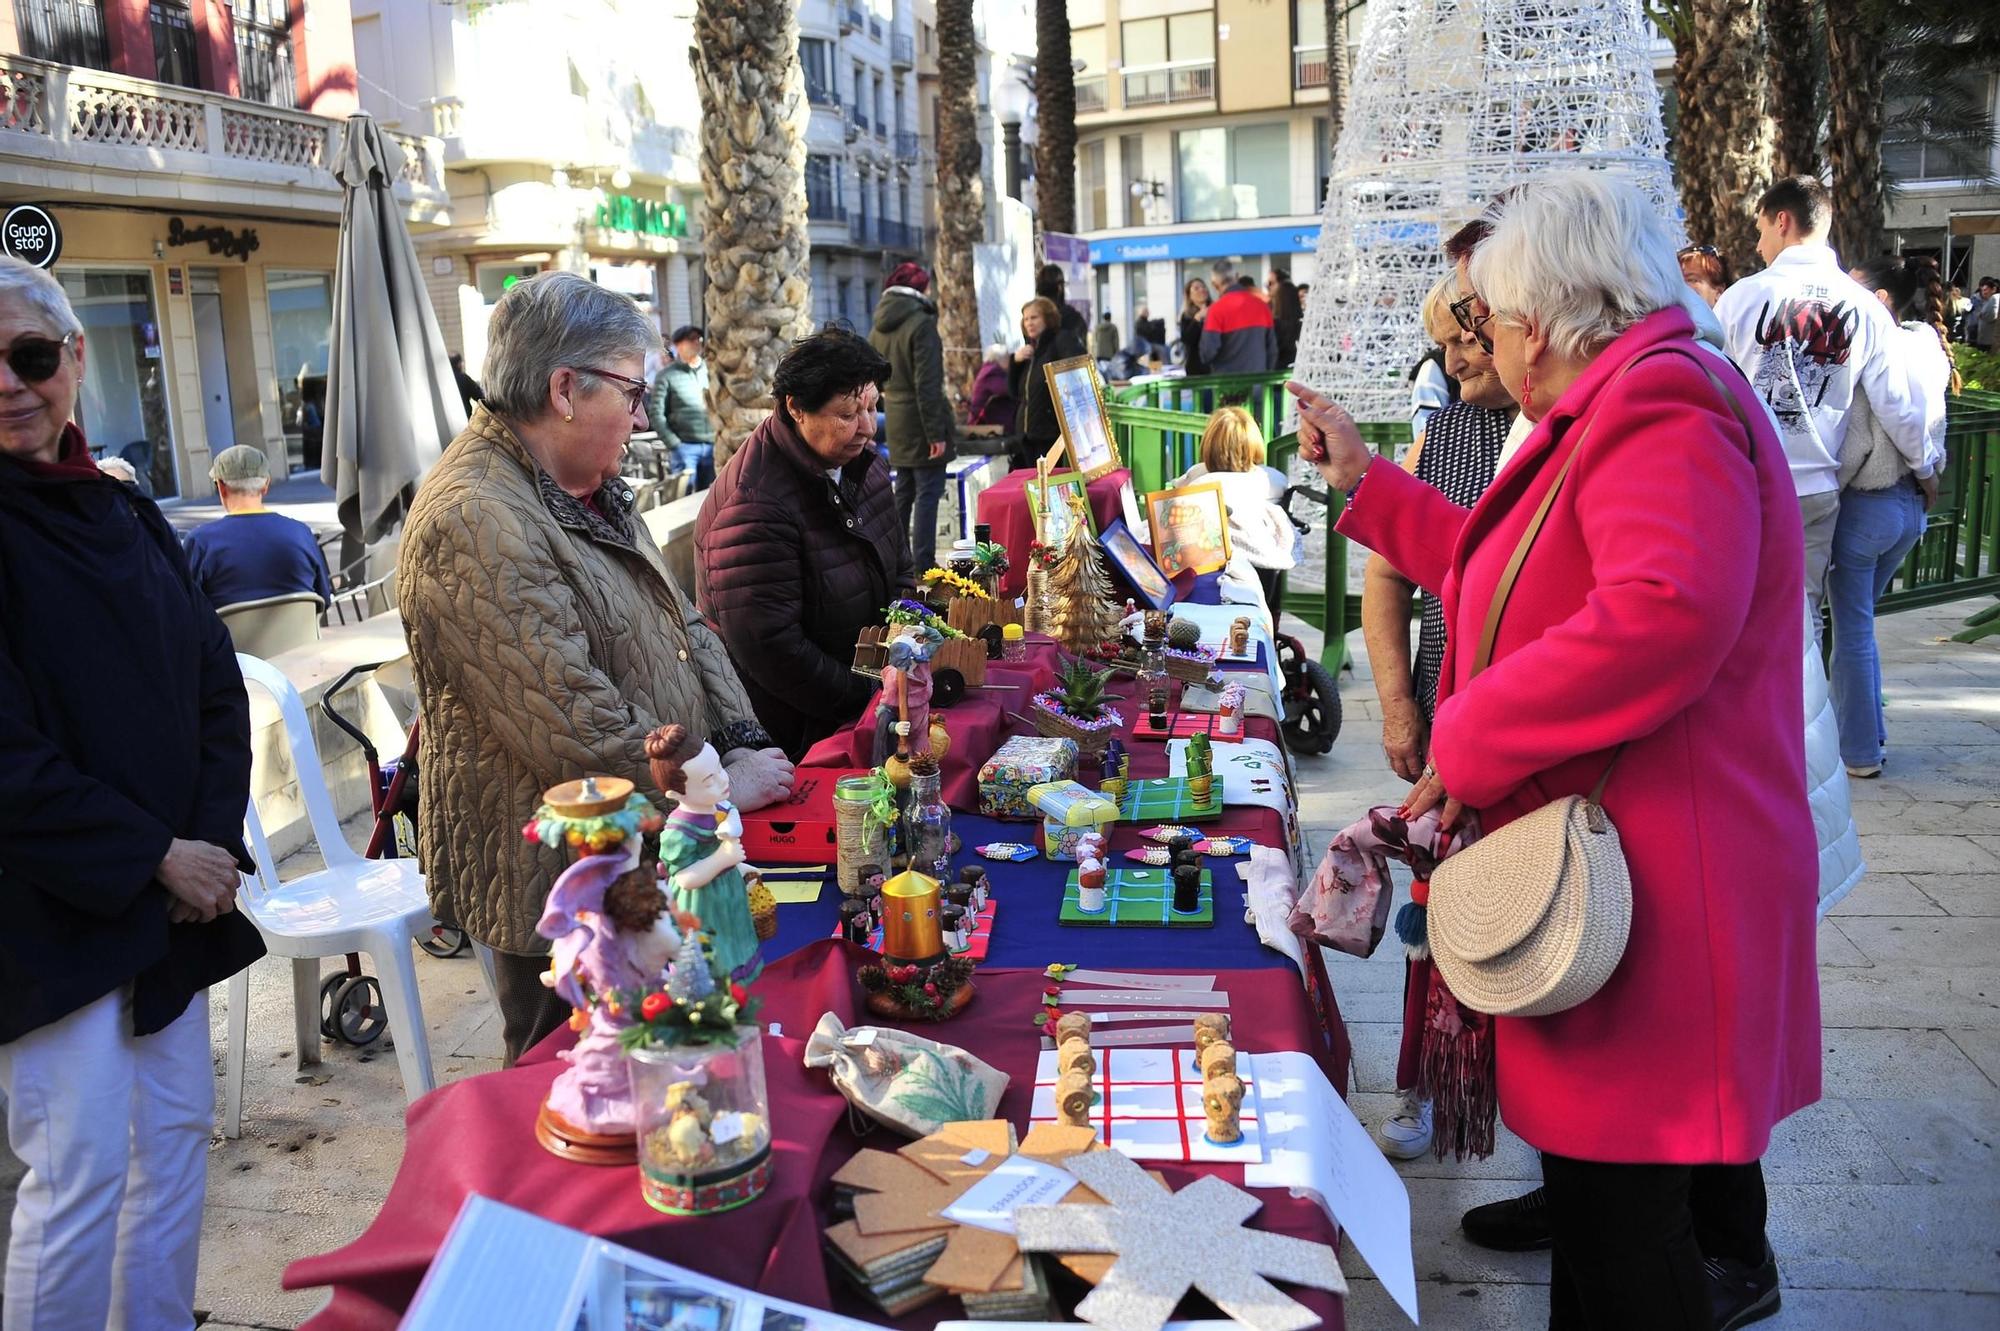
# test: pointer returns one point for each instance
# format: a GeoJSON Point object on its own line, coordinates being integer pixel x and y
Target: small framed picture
{"type": "Point", "coordinates": [1053, 523]}
{"type": "Point", "coordinates": [1079, 401]}
{"type": "Point", "coordinates": [1134, 562]}
{"type": "Point", "coordinates": [1190, 529]}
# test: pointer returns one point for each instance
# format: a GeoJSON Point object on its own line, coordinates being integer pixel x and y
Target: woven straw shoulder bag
{"type": "Point", "coordinates": [1533, 919]}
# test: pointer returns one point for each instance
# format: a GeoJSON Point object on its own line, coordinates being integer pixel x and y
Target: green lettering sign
{"type": "Point", "coordinates": [641, 217]}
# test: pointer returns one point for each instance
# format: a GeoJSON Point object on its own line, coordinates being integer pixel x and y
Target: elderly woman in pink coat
{"type": "Point", "coordinates": [1655, 611]}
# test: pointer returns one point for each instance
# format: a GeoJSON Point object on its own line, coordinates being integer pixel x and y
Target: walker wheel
{"type": "Point", "coordinates": [444, 940]}
{"type": "Point", "coordinates": [356, 1012]}
{"type": "Point", "coordinates": [328, 987]}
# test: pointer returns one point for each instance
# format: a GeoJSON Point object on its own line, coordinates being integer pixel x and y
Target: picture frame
{"type": "Point", "coordinates": [1133, 561]}
{"type": "Point", "coordinates": [1062, 484]}
{"type": "Point", "coordinates": [1078, 395]}
{"type": "Point", "coordinates": [1190, 529]}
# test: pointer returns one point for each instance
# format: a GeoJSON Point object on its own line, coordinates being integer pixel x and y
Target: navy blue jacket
{"type": "Point", "coordinates": [123, 724]}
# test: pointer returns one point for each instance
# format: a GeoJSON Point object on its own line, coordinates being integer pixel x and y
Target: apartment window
{"type": "Point", "coordinates": [902, 122]}
{"type": "Point", "coordinates": [860, 93]}
{"type": "Point", "coordinates": [1169, 59]}
{"type": "Point", "coordinates": [881, 118]}
{"type": "Point", "coordinates": [816, 59]}
{"type": "Point", "coordinates": [1131, 170]}
{"type": "Point", "coordinates": [1309, 46]}
{"type": "Point", "coordinates": [264, 52]}
{"type": "Point", "coordinates": [66, 32]}
{"type": "Point", "coordinates": [1917, 144]}
{"type": "Point", "coordinates": [1096, 204]}
{"type": "Point", "coordinates": [1226, 174]}
{"type": "Point", "coordinates": [173, 44]}
{"type": "Point", "coordinates": [1087, 45]}
{"type": "Point", "coordinates": [822, 189]}
{"type": "Point", "coordinates": [1322, 156]}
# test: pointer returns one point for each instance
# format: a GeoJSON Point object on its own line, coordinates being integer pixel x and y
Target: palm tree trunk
{"type": "Point", "coordinates": [1336, 79]}
{"type": "Point", "coordinates": [1735, 100]}
{"type": "Point", "coordinates": [1856, 31]}
{"type": "Point", "coordinates": [1055, 110]}
{"type": "Point", "coordinates": [1791, 57]}
{"type": "Point", "coordinates": [753, 158]}
{"type": "Point", "coordinates": [961, 194]}
{"type": "Point", "coordinates": [1675, 20]}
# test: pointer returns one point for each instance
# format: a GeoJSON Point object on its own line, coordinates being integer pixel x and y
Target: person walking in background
{"type": "Point", "coordinates": [678, 410]}
{"type": "Point", "coordinates": [1104, 341]}
{"type": "Point", "coordinates": [1982, 320]}
{"type": "Point", "coordinates": [1044, 341]}
{"type": "Point", "coordinates": [127, 735]}
{"type": "Point", "coordinates": [251, 553]}
{"type": "Point", "coordinates": [1288, 314]}
{"type": "Point", "coordinates": [1808, 337]}
{"type": "Point", "coordinates": [1238, 335]}
{"type": "Point", "coordinates": [1706, 271]}
{"type": "Point", "coordinates": [1885, 491]}
{"type": "Point", "coordinates": [989, 401]}
{"type": "Point", "coordinates": [469, 390]}
{"type": "Point", "coordinates": [921, 427]}
{"type": "Point", "coordinates": [1052, 286]}
{"type": "Point", "coordinates": [1151, 331]}
{"type": "Point", "coordinates": [1194, 309]}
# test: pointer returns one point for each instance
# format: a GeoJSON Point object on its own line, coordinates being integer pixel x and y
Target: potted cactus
{"type": "Point", "coordinates": [1077, 707]}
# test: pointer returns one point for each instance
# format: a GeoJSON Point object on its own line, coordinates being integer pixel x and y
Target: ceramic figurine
{"type": "Point", "coordinates": [1217, 1059]}
{"type": "Point", "coordinates": [1221, 1102]}
{"type": "Point", "coordinates": [1208, 1028]}
{"type": "Point", "coordinates": [975, 877]}
{"type": "Point", "coordinates": [903, 717]}
{"type": "Point", "coordinates": [702, 845]}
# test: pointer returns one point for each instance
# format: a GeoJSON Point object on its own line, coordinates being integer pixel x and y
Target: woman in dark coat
{"type": "Point", "coordinates": [798, 546]}
{"type": "Point", "coordinates": [124, 774]}
{"type": "Point", "coordinates": [1193, 312]}
{"type": "Point", "coordinates": [1046, 341]}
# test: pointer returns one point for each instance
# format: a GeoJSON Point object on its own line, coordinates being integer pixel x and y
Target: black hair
{"type": "Point", "coordinates": [1801, 196]}
{"type": "Point", "coordinates": [1988, 282]}
{"type": "Point", "coordinates": [1050, 282]}
{"type": "Point", "coordinates": [1916, 293]}
{"type": "Point", "coordinates": [825, 365]}
{"type": "Point", "coordinates": [684, 332]}
{"type": "Point", "coordinates": [1282, 274]}
{"type": "Point", "coordinates": [1246, 282]}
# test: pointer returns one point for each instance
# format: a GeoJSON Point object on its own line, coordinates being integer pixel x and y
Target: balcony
{"type": "Point", "coordinates": [1178, 81]}
{"type": "Point", "coordinates": [906, 145]}
{"type": "Point", "coordinates": [857, 117]}
{"type": "Point", "coordinates": [901, 237]}
{"type": "Point", "coordinates": [819, 94]}
{"type": "Point", "coordinates": [1308, 67]}
{"type": "Point", "coordinates": [824, 208]}
{"type": "Point", "coordinates": [851, 18]}
{"type": "Point", "coordinates": [875, 28]}
{"type": "Point", "coordinates": [78, 127]}
{"type": "Point", "coordinates": [903, 51]}
{"type": "Point", "coordinates": [1090, 94]}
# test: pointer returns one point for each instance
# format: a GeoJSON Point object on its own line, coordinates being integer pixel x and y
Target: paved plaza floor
{"type": "Point", "coordinates": [1885, 1196]}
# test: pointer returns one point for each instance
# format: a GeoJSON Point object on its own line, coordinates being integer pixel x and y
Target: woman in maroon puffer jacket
{"type": "Point", "coordinates": [798, 546]}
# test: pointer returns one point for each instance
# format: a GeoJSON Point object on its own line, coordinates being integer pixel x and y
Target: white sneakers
{"type": "Point", "coordinates": [1406, 1134]}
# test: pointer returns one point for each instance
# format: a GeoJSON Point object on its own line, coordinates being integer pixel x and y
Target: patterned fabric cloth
{"type": "Point", "coordinates": [1461, 450]}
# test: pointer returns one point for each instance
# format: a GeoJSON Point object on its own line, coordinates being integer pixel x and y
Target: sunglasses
{"type": "Point", "coordinates": [36, 359]}
{"type": "Point", "coordinates": [1708, 250]}
{"type": "Point", "coordinates": [635, 390]}
{"type": "Point", "coordinates": [1475, 324]}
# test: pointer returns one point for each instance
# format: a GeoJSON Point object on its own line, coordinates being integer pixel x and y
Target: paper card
{"type": "Point", "coordinates": [1315, 1146]}
{"type": "Point", "coordinates": [859, 1038]}
{"type": "Point", "coordinates": [795, 891]}
{"type": "Point", "coordinates": [1130, 1065]}
{"type": "Point", "coordinates": [1018, 1181]}
{"type": "Point", "coordinates": [1188, 998]}
{"type": "Point", "coordinates": [1136, 1035]}
{"type": "Point", "coordinates": [725, 1127]}
{"type": "Point", "coordinates": [1148, 1014]}
{"type": "Point", "coordinates": [975, 1156]}
{"type": "Point", "coordinates": [1252, 771]}
{"type": "Point", "coordinates": [1138, 980]}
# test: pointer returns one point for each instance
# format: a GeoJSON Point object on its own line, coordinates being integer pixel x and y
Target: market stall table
{"type": "Point", "coordinates": [1003, 506]}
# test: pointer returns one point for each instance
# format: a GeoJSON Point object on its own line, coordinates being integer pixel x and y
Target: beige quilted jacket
{"type": "Point", "coordinates": [546, 640]}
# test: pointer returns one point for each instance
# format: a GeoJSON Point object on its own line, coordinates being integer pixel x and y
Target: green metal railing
{"type": "Point", "coordinates": [1959, 554]}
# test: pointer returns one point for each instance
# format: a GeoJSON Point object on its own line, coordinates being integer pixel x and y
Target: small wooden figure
{"type": "Point", "coordinates": [1221, 1103]}
{"type": "Point", "coordinates": [1218, 1059]}
{"type": "Point", "coordinates": [1239, 636]}
{"type": "Point", "coordinates": [1208, 1028]}
{"type": "Point", "coordinates": [1074, 1099]}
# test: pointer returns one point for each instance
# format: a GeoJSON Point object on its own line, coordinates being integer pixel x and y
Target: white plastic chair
{"type": "Point", "coordinates": [274, 624]}
{"type": "Point", "coordinates": [352, 905]}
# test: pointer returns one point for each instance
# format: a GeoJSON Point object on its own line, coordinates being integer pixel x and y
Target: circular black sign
{"type": "Point", "coordinates": [29, 233]}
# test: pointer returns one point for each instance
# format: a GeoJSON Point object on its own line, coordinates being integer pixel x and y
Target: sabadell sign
{"type": "Point", "coordinates": [30, 234]}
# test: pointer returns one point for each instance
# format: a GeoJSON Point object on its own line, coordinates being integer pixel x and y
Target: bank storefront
{"type": "Point", "coordinates": [1153, 266]}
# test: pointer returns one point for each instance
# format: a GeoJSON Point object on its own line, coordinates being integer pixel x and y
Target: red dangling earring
{"type": "Point", "coordinates": [1528, 391]}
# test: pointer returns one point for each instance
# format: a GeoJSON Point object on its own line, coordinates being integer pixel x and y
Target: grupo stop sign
{"type": "Point", "coordinates": [29, 233]}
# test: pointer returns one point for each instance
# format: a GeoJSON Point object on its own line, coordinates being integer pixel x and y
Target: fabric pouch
{"type": "Point", "coordinates": [903, 1081]}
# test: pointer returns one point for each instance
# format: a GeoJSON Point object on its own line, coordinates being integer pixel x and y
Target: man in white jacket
{"type": "Point", "coordinates": [1809, 337]}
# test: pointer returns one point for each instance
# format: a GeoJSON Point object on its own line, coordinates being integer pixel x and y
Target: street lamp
{"type": "Point", "coordinates": [1017, 100]}
{"type": "Point", "coordinates": [1147, 195]}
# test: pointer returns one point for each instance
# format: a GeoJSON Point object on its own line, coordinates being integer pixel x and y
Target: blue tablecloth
{"type": "Point", "coordinates": [1030, 895]}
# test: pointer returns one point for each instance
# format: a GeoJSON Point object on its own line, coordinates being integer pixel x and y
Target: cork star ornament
{"type": "Point", "coordinates": [1191, 1240]}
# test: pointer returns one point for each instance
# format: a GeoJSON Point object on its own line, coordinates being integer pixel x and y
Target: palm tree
{"type": "Point", "coordinates": [1055, 110]}
{"type": "Point", "coordinates": [1856, 34]}
{"type": "Point", "coordinates": [753, 157]}
{"type": "Point", "coordinates": [1795, 67]}
{"type": "Point", "coordinates": [961, 192]}
{"type": "Point", "coordinates": [1732, 91]}
{"type": "Point", "coordinates": [1675, 20]}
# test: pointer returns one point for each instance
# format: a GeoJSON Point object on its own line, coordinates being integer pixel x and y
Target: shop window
{"type": "Point", "coordinates": [301, 307]}
{"type": "Point", "coordinates": [123, 407]}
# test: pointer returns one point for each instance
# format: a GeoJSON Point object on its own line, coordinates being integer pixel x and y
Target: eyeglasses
{"type": "Point", "coordinates": [1708, 251]}
{"type": "Point", "coordinates": [635, 390]}
{"type": "Point", "coordinates": [1475, 324]}
{"type": "Point", "coordinates": [36, 359]}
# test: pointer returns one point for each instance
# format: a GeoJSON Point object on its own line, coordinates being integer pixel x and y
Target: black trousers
{"type": "Point", "coordinates": [1629, 1240]}
{"type": "Point", "coordinates": [529, 1009]}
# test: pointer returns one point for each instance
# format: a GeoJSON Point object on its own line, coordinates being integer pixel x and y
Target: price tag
{"type": "Point", "coordinates": [860, 1039]}
{"type": "Point", "coordinates": [725, 1128]}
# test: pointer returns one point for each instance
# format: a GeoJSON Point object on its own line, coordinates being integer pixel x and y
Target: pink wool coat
{"type": "Point", "coordinates": [1656, 610]}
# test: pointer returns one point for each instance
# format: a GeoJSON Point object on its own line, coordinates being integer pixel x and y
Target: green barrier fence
{"type": "Point", "coordinates": [1959, 554]}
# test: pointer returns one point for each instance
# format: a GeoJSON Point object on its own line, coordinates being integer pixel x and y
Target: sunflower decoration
{"type": "Point", "coordinates": [959, 584]}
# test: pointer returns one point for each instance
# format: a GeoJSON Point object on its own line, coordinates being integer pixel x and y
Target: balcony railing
{"type": "Point", "coordinates": [85, 117]}
{"type": "Point", "coordinates": [1309, 66]}
{"type": "Point", "coordinates": [864, 229]}
{"type": "Point", "coordinates": [903, 50]}
{"type": "Point", "coordinates": [821, 208]}
{"type": "Point", "coordinates": [1090, 94]}
{"type": "Point", "coordinates": [901, 237]}
{"type": "Point", "coordinates": [906, 145]}
{"type": "Point", "coordinates": [1179, 81]}
{"type": "Point", "coordinates": [857, 116]}
{"type": "Point", "coordinates": [66, 32]}
{"type": "Point", "coordinates": [851, 18]}
{"type": "Point", "coordinates": [819, 94]}
{"type": "Point", "coordinates": [875, 28]}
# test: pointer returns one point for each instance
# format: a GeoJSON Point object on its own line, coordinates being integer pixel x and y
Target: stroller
{"type": "Point", "coordinates": [1311, 697]}
{"type": "Point", "coordinates": [350, 1003]}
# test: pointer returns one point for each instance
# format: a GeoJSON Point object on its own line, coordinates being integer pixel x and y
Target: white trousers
{"type": "Point", "coordinates": [114, 1131]}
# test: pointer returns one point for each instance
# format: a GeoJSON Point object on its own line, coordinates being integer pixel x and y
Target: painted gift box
{"type": "Point", "coordinates": [800, 829]}
{"type": "Point", "coordinates": [1069, 811]}
{"type": "Point", "coordinates": [1023, 762]}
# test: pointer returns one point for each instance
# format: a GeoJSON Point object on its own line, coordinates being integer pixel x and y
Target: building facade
{"type": "Point", "coordinates": [185, 150]}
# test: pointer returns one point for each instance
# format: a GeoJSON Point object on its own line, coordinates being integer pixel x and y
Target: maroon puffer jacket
{"type": "Point", "coordinates": [790, 568]}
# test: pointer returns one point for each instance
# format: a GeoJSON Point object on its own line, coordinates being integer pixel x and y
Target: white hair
{"type": "Point", "coordinates": [996, 354]}
{"type": "Point", "coordinates": [39, 291]}
{"type": "Point", "coordinates": [552, 320]}
{"type": "Point", "coordinates": [1582, 254]}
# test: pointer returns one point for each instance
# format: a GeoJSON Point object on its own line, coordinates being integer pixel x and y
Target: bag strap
{"type": "Point", "coordinates": [1505, 588]}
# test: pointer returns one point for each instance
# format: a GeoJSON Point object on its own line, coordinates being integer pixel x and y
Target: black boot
{"type": "Point", "coordinates": [1519, 1224]}
{"type": "Point", "coordinates": [1740, 1293]}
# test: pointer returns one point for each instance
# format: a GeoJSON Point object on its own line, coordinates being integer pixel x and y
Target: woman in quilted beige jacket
{"type": "Point", "coordinates": [546, 635]}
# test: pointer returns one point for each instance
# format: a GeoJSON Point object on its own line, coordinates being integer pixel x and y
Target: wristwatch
{"type": "Point", "coordinates": [741, 735]}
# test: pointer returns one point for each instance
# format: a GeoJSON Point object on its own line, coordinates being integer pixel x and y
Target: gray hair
{"type": "Point", "coordinates": [549, 321]}
{"type": "Point", "coordinates": [39, 291]}
{"type": "Point", "coordinates": [1223, 271]}
{"type": "Point", "coordinates": [1583, 254]}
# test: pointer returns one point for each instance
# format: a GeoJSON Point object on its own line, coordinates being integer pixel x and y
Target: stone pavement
{"type": "Point", "coordinates": [1885, 1196]}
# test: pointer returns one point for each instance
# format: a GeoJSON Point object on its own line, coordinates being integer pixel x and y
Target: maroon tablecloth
{"type": "Point", "coordinates": [476, 1136]}
{"type": "Point", "coordinates": [1003, 506]}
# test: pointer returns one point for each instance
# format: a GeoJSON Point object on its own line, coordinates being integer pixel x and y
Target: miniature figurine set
{"type": "Point", "coordinates": [1076, 1066]}
{"type": "Point", "coordinates": [1221, 1088]}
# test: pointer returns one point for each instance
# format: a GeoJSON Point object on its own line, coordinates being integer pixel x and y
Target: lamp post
{"type": "Point", "coordinates": [1147, 195]}
{"type": "Point", "coordinates": [1017, 99]}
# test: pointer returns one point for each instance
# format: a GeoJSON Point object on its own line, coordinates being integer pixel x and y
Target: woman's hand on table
{"type": "Point", "coordinates": [1405, 737]}
{"type": "Point", "coordinates": [1329, 439]}
{"type": "Point", "coordinates": [758, 778]}
{"type": "Point", "coordinates": [1427, 794]}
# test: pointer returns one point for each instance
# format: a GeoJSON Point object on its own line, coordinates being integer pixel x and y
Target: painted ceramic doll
{"type": "Point", "coordinates": [702, 845]}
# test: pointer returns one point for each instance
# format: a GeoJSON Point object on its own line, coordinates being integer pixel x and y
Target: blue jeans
{"type": "Point", "coordinates": [1877, 529]}
{"type": "Point", "coordinates": [699, 459]}
{"type": "Point", "coordinates": [918, 490]}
